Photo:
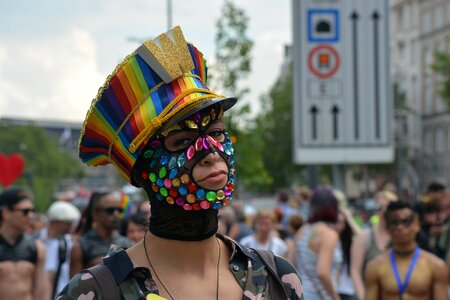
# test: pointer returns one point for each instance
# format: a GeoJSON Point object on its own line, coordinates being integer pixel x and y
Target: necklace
{"type": "Point", "coordinates": [406, 253]}
{"type": "Point", "coordinates": [403, 285]}
{"type": "Point", "coordinates": [167, 291]}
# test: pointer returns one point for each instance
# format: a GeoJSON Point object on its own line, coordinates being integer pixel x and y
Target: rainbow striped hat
{"type": "Point", "coordinates": [150, 86]}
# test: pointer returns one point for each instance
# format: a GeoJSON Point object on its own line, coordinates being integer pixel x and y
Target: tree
{"type": "Point", "coordinates": [45, 162]}
{"type": "Point", "coordinates": [232, 64]}
{"type": "Point", "coordinates": [275, 126]}
{"type": "Point", "coordinates": [233, 49]}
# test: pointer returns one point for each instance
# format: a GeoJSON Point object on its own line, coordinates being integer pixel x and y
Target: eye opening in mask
{"type": "Point", "coordinates": [180, 139]}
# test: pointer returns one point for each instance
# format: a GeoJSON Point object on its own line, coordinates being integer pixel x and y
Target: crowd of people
{"type": "Point", "coordinates": [336, 255]}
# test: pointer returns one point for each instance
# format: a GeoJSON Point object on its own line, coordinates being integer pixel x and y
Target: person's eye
{"type": "Point", "coordinates": [180, 140]}
{"type": "Point", "coordinates": [218, 135]}
{"type": "Point", "coordinates": [181, 143]}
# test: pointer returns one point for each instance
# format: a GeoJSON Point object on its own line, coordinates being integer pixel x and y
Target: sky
{"type": "Point", "coordinates": [55, 54]}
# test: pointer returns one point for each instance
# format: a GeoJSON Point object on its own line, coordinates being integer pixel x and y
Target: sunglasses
{"type": "Point", "coordinates": [392, 223]}
{"type": "Point", "coordinates": [112, 210]}
{"type": "Point", "coordinates": [25, 211]}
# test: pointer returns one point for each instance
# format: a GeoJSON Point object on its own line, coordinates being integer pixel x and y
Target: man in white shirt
{"type": "Point", "coordinates": [62, 216]}
{"type": "Point", "coordinates": [263, 238]}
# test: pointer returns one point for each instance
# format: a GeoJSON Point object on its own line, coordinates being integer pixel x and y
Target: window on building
{"type": "Point", "coordinates": [440, 141]}
{"type": "Point", "coordinates": [399, 18]}
{"type": "Point", "coordinates": [428, 147]}
{"type": "Point", "coordinates": [448, 139]}
{"type": "Point", "coordinates": [428, 95]}
{"type": "Point", "coordinates": [426, 22]}
{"type": "Point", "coordinates": [428, 60]}
{"type": "Point", "coordinates": [448, 12]}
{"type": "Point", "coordinates": [437, 18]}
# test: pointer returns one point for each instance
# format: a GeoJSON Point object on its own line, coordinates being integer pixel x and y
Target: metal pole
{"type": "Point", "coordinates": [312, 176]}
{"type": "Point", "coordinates": [339, 177]}
{"type": "Point", "coordinates": [169, 14]}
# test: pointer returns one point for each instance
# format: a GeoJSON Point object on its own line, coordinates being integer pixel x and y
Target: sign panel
{"type": "Point", "coordinates": [342, 101]}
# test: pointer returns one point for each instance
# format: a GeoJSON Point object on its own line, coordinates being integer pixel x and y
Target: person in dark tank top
{"type": "Point", "coordinates": [21, 257]}
{"type": "Point", "coordinates": [104, 215]}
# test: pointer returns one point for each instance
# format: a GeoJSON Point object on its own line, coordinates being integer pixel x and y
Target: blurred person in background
{"type": "Point", "coordinates": [240, 228]}
{"type": "Point", "coordinates": [264, 237]}
{"type": "Point", "coordinates": [303, 197]}
{"type": "Point", "coordinates": [370, 243]}
{"type": "Point", "coordinates": [435, 192]}
{"type": "Point", "coordinates": [22, 258]}
{"type": "Point", "coordinates": [317, 253]}
{"type": "Point", "coordinates": [347, 228]}
{"type": "Point", "coordinates": [38, 222]}
{"type": "Point", "coordinates": [103, 218]}
{"type": "Point", "coordinates": [133, 228]}
{"type": "Point", "coordinates": [287, 210]}
{"type": "Point", "coordinates": [406, 271]}
{"type": "Point", "coordinates": [295, 223]}
{"type": "Point", "coordinates": [144, 209]}
{"type": "Point", "coordinates": [62, 217]}
{"type": "Point", "coordinates": [233, 222]}
{"type": "Point", "coordinates": [431, 228]}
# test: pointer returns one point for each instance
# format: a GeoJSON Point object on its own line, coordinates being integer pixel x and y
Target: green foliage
{"type": "Point", "coordinates": [233, 49]}
{"type": "Point", "coordinates": [441, 65]}
{"type": "Point", "coordinates": [233, 63]}
{"type": "Point", "coordinates": [45, 162]}
{"type": "Point", "coordinates": [275, 127]}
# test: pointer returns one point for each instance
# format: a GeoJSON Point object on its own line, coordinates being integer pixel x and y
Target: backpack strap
{"type": "Point", "coordinates": [105, 280]}
{"type": "Point", "coordinates": [62, 253]}
{"type": "Point", "coordinates": [277, 289]}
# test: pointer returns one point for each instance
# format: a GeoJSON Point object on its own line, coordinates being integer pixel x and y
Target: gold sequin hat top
{"type": "Point", "coordinates": [162, 77]}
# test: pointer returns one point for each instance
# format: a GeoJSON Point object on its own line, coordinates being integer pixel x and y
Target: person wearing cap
{"type": "Point", "coordinates": [61, 216]}
{"type": "Point", "coordinates": [21, 257]}
{"type": "Point", "coordinates": [159, 124]}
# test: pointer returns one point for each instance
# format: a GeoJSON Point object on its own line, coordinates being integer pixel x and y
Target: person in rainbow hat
{"type": "Point", "coordinates": [159, 124]}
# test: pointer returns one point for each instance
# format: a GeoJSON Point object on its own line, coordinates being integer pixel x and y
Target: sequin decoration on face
{"type": "Point", "coordinates": [170, 172]}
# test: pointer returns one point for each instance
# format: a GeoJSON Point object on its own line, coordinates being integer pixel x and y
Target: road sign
{"type": "Point", "coordinates": [323, 25]}
{"type": "Point", "coordinates": [342, 100]}
{"type": "Point", "coordinates": [323, 61]}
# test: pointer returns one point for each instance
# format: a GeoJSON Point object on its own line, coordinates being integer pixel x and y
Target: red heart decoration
{"type": "Point", "coordinates": [11, 167]}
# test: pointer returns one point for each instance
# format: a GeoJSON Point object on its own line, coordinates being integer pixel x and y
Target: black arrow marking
{"type": "Point", "coordinates": [314, 111]}
{"type": "Point", "coordinates": [335, 111]}
{"type": "Point", "coordinates": [375, 18]}
{"type": "Point", "coordinates": [354, 17]}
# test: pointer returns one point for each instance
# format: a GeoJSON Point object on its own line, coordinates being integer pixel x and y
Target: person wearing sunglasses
{"type": "Point", "coordinates": [370, 243]}
{"type": "Point", "coordinates": [159, 124]}
{"type": "Point", "coordinates": [405, 271]}
{"type": "Point", "coordinates": [104, 214]}
{"type": "Point", "coordinates": [22, 258]}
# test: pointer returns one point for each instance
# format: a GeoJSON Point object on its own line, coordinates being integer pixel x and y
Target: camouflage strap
{"type": "Point", "coordinates": [106, 282]}
{"type": "Point", "coordinates": [276, 287]}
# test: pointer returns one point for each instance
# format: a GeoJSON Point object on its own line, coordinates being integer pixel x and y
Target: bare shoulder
{"type": "Point", "coordinates": [378, 261]}
{"type": "Point", "coordinates": [328, 235]}
{"type": "Point", "coordinates": [437, 265]}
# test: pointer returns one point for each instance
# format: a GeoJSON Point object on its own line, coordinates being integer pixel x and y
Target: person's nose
{"type": "Point", "coordinates": [211, 158]}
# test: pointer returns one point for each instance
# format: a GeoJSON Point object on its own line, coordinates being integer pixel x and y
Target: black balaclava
{"type": "Point", "coordinates": [182, 209]}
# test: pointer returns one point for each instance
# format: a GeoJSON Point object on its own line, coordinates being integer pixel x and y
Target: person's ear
{"type": "Point", "coordinates": [6, 213]}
